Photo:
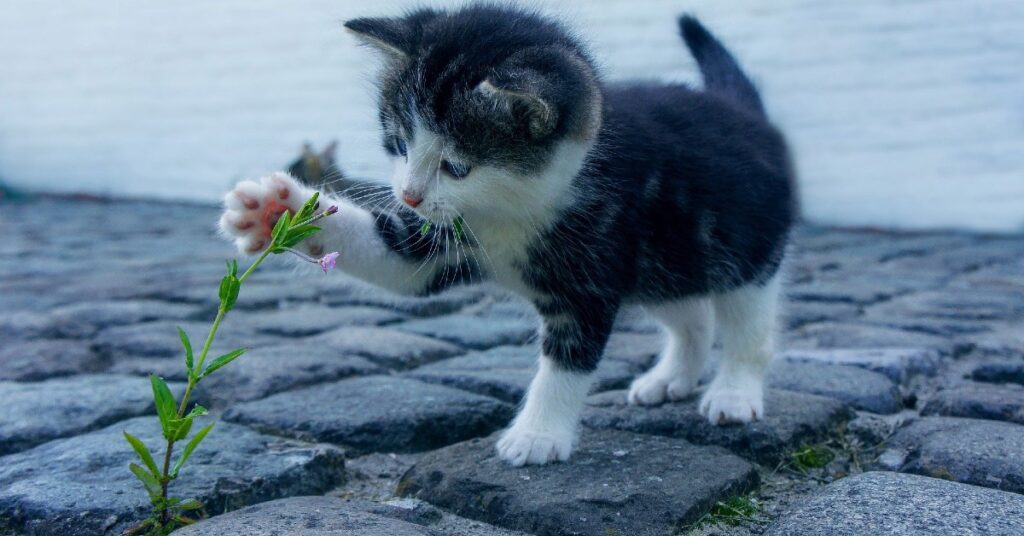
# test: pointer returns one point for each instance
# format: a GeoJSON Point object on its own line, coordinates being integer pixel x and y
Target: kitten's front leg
{"type": "Point", "coordinates": [383, 249]}
{"type": "Point", "coordinates": [545, 428]}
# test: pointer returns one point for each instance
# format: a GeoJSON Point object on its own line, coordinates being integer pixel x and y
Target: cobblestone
{"type": "Point", "coordinates": [375, 414]}
{"type": "Point", "coordinates": [885, 503]}
{"type": "Point", "coordinates": [793, 420]}
{"type": "Point", "coordinates": [921, 333]}
{"type": "Point", "coordinates": [617, 483]}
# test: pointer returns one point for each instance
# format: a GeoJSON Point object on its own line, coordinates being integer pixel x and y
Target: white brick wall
{"type": "Point", "coordinates": [902, 112]}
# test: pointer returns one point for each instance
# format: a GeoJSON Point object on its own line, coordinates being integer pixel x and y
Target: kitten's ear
{"type": "Point", "coordinates": [328, 152]}
{"type": "Point", "coordinates": [388, 35]}
{"type": "Point", "coordinates": [395, 36]}
{"type": "Point", "coordinates": [522, 94]}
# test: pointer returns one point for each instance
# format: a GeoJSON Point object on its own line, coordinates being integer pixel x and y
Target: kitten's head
{"type": "Point", "coordinates": [485, 110]}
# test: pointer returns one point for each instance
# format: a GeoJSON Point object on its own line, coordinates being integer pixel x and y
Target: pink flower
{"type": "Point", "coordinates": [328, 261]}
{"type": "Point", "coordinates": [331, 210]}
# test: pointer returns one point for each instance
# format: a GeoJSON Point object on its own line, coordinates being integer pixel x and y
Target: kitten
{"type": "Point", "coordinates": [579, 195]}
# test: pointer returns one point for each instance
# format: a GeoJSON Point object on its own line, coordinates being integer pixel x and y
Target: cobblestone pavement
{"type": "Point", "coordinates": [896, 402]}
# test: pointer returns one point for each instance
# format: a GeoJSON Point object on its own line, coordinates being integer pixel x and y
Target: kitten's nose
{"type": "Point", "coordinates": [411, 200]}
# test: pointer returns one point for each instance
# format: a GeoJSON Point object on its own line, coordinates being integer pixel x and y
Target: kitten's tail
{"type": "Point", "coordinates": [722, 75]}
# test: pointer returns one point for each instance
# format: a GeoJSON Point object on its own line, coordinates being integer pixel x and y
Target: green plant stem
{"type": "Point", "coordinates": [193, 379]}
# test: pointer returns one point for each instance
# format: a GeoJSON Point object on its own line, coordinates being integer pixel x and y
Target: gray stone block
{"type": "Point", "coordinates": [860, 388]}
{"type": "Point", "coordinates": [979, 401]}
{"type": "Point", "coordinates": [637, 348]}
{"type": "Point", "coordinates": [38, 412]}
{"type": "Point", "coordinates": [269, 370]}
{"type": "Point", "coordinates": [899, 364]}
{"type": "Point", "coordinates": [376, 414]}
{"type": "Point", "coordinates": [474, 332]}
{"type": "Point", "coordinates": [614, 483]}
{"type": "Point", "coordinates": [385, 346]}
{"type": "Point", "coordinates": [82, 486]}
{"type": "Point", "coordinates": [312, 516]}
{"type": "Point", "coordinates": [160, 339]}
{"type": "Point", "coordinates": [999, 372]}
{"type": "Point", "coordinates": [836, 335]}
{"type": "Point", "coordinates": [793, 420]}
{"type": "Point", "coordinates": [972, 451]}
{"type": "Point", "coordinates": [311, 319]}
{"type": "Point", "coordinates": [902, 505]}
{"type": "Point", "coordinates": [41, 359]}
{"type": "Point", "coordinates": [505, 372]}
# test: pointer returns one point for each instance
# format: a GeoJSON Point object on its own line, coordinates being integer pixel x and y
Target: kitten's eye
{"type": "Point", "coordinates": [457, 171]}
{"type": "Point", "coordinates": [401, 148]}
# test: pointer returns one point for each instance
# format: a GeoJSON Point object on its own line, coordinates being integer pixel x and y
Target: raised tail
{"type": "Point", "coordinates": [722, 75]}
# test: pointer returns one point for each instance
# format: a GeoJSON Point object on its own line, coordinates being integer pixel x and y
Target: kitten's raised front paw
{"type": "Point", "coordinates": [521, 447]}
{"type": "Point", "coordinates": [733, 404]}
{"type": "Point", "coordinates": [252, 209]}
{"type": "Point", "coordinates": [654, 387]}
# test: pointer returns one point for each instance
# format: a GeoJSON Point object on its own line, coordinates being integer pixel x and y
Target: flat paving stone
{"type": "Point", "coordinates": [965, 304]}
{"type": "Point", "coordinates": [46, 358]}
{"type": "Point", "coordinates": [793, 420]}
{"type": "Point", "coordinates": [852, 335]}
{"type": "Point", "coordinates": [505, 372]}
{"type": "Point", "coordinates": [474, 332]}
{"type": "Point", "coordinates": [269, 370]}
{"type": "Point", "coordinates": [355, 292]}
{"type": "Point", "coordinates": [636, 320]}
{"type": "Point", "coordinates": [800, 313]}
{"type": "Point", "coordinates": [84, 319]}
{"type": "Point", "coordinates": [310, 319]}
{"type": "Point", "coordinates": [899, 364]}
{"type": "Point", "coordinates": [160, 339]}
{"type": "Point", "coordinates": [902, 505]}
{"type": "Point", "coordinates": [86, 487]}
{"type": "Point", "coordinates": [38, 412]}
{"type": "Point", "coordinates": [999, 372]}
{"type": "Point", "coordinates": [637, 348]}
{"type": "Point", "coordinates": [385, 346]}
{"type": "Point", "coordinates": [24, 325]}
{"type": "Point", "coordinates": [972, 451]}
{"type": "Point", "coordinates": [614, 483]}
{"type": "Point", "coordinates": [321, 516]}
{"type": "Point", "coordinates": [860, 388]}
{"type": "Point", "coordinates": [979, 401]}
{"type": "Point", "coordinates": [376, 414]}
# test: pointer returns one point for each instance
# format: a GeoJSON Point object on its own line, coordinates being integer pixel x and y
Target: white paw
{"type": "Point", "coordinates": [252, 209]}
{"type": "Point", "coordinates": [723, 404]}
{"type": "Point", "coordinates": [654, 387]}
{"type": "Point", "coordinates": [521, 447]}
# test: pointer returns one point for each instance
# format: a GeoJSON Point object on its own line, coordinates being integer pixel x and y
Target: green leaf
{"type": "Point", "coordinates": [182, 427]}
{"type": "Point", "coordinates": [143, 452]}
{"type": "Point", "coordinates": [298, 234]}
{"type": "Point", "coordinates": [425, 228]}
{"type": "Point", "coordinates": [282, 225]}
{"type": "Point", "coordinates": [458, 228]}
{"type": "Point", "coordinates": [149, 481]}
{"type": "Point", "coordinates": [164, 405]}
{"type": "Point", "coordinates": [188, 349]}
{"type": "Point", "coordinates": [192, 444]}
{"type": "Point", "coordinates": [189, 504]}
{"type": "Point", "coordinates": [229, 287]}
{"type": "Point", "coordinates": [221, 361]}
{"type": "Point", "coordinates": [306, 211]}
{"type": "Point", "coordinates": [197, 411]}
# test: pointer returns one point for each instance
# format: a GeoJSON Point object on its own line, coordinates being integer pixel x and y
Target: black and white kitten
{"type": "Point", "coordinates": [579, 195]}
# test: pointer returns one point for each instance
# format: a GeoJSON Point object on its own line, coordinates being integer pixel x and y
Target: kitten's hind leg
{"type": "Point", "coordinates": [689, 325]}
{"type": "Point", "coordinates": [746, 322]}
